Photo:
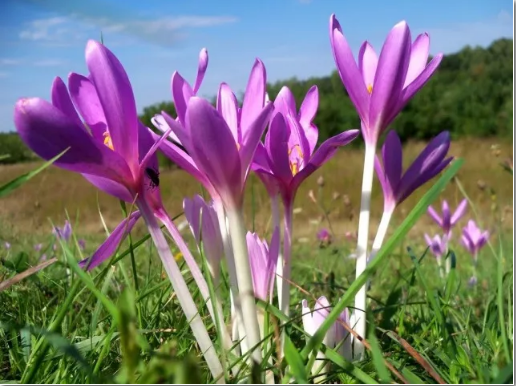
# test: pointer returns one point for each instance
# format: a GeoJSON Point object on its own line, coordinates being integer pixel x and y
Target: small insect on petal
{"type": "Point", "coordinates": [153, 176]}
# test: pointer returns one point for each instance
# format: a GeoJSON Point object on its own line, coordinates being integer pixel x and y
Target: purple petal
{"type": "Point", "coordinates": [181, 94]}
{"type": "Point", "coordinates": [161, 124]}
{"type": "Point", "coordinates": [254, 134]}
{"type": "Point", "coordinates": [61, 100]}
{"type": "Point", "coordinates": [214, 149]}
{"type": "Point", "coordinates": [48, 132]}
{"type": "Point", "coordinates": [277, 148]}
{"type": "Point", "coordinates": [178, 129]}
{"type": "Point", "coordinates": [428, 164]}
{"type": "Point", "coordinates": [227, 105]}
{"type": "Point", "coordinates": [270, 182]}
{"type": "Point", "coordinates": [285, 102]}
{"type": "Point", "coordinates": [192, 211]}
{"type": "Point", "coordinates": [66, 233]}
{"type": "Point", "coordinates": [418, 58]}
{"type": "Point", "coordinates": [446, 216]}
{"type": "Point", "coordinates": [392, 154]}
{"type": "Point", "coordinates": [390, 75]}
{"type": "Point", "coordinates": [299, 148]}
{"type": "Point", "coordinates": [367, 64]}
{"type": "Point", "coordinates": [254, 98]}
{"type": "Point", "coordinates": [348, 70]}
{"type": "Point", "coordinates": [106, 250]}
{"type": "Point", "coordinates": [116, 97]}
{"type": "Point", "coordinates": [148, 159]}
{"type": "Point", "coordinates": [211, 236]}
{"type": "Point", "coordinates": [307, 113]}
{"type": "Point", "coordinates": [432, 213]}
{"type": "Point", "coordinates": [84, 96]}
{"type": "Point", "coordinates": [467, 243]}
{"type": "Point", "coordinates": [201, 69]}
{"type": "Point", "coordinates": [459, 212]}
{"type": "Point", "coordinates": [323, 154]}
{"type": "Point", "coordinates": [389, 201]}
{"type": "Point", "coordinates": [110, 187]}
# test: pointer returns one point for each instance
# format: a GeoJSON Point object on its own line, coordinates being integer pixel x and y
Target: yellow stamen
{"type": "Point", "coordinates": [178, 256]}
{"type": "Point", "coordinates": [107, 140]}
{"type": "Point", "coordinates": [294, 165]}
{"type": "Point", "coordinates": [370, 88]}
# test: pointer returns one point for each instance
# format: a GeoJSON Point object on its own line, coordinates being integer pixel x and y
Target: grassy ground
{"type": "Point", "coordinates": [426, 329]}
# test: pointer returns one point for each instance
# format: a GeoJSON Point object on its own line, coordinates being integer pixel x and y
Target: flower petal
{"type": "Point", "coordinates": [161, 124]}
{"type": "Point", "coordinates": [181, 94]}
{"type": "Point", "coordinates": [459, 212]}
{"type": "Point", "coordinates": [323, 154]}
{"type": "Point", "coordinates": [201, 69]}
{"type": "Point", "coordinates": [61, 100]}
{"type": "Point", "coordinates": [392, 154]}
{"type": "Point", "coordinates": [446, 216]}
{"type": "Point", "coordinates": [348, 70]}
{"type": "Point", "coordinates": [178, 129]}
{"type": "Point", "coordinates": [277, 148]}
{"type": "Point", "coordinates": [307, 113]}
{"type": "Point", "coordinates": [48, 132]}
{"type": "Point", "coordinates": [106, 250]}
{"type": "Point", "coordinates": [254, 134]}
{"type": "Point", "coordinates": [149, 160]}
{"type": "Point", "coordinates": [432, 213]}
{"type": "Point", "coordinates": [214, 149]}
{"type": "Point", "coordinates": [390, 75]}
{"type": "Point", "coordinates": [254, 98]}
{"type": "Point", "coordinates": [192, 211]}
{"type": "Point", "coordinates": [116, 97]}
{"type": "Point", "coordinates": [227, 105]}
{"type": "Point", "coordinates": [285, 102]}
{"type": "Point", "coordinates": [110, 187]}
{"type": "Point", "coordinates": [367, 63]}
{"type": "Point", "coordinates": [418, 58]}
{"type": "Point", "coordinates": [85, 98]}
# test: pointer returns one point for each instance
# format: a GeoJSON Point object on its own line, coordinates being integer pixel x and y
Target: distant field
{"type": "Point", "coordinates": [31, 208]}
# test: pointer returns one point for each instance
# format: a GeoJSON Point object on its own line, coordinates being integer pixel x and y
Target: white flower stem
{"type": "Point", "coordinates": [380, 236]}
{"type": "Point", "coordinates": [245, 282]}
{"type": "Point", "coordinates": [287, 251]}
{"type": "Point", "coordinates": [183, 293]}
{"type": "Point", "coordinates": [237, 326]}
{"type": "Point", "coordinates": [363, 239]}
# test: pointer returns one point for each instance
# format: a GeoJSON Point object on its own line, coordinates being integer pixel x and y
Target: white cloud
{"type": "Point", "coordinates": [452, 38]}
{"type": "Point", "coordinates": [75, 27]}
{"type": "Point", "coordinates": [9, 61]}
{"type": "Point", "coordinates": [49, 63]}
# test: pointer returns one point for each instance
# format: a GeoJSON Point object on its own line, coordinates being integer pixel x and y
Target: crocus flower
{"type": "Point", "coordinates": [263, 262]}
{"type": "Point", "coordinates": [289, 155]}
{"type": "Point", "coordinates": [448, 220]}
{"type": "Point", "coordinates": [472, 281]}
{"type": "Point", "coordinates": [82, 244]}
{"type": "Point", "coordinates": [202, 218]}
{"type": "Point", "coordinates": [337, 335]}
{"type": "Point", "coordinates": [7, 245]}
{"type": "Point", "coordinates": [324, 236]}
{"type": "Point", "coordinates": [115, 153]}
{"type": "Point", "coordinates": [63, 233]}
{"type": "Point", "coordinates": [38, 247]}
{"type": "Point", "coordinates": [473, 238]}
{"type": "Point", "coordinates": [380, 87]}
{"type": "Point", "coordinates": [438, 245]}
{"type": "Point", "coordinates": [397, 186]}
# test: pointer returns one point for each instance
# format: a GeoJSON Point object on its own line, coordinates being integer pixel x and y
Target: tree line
{"type": "Point", "coordinates": [469, 95]}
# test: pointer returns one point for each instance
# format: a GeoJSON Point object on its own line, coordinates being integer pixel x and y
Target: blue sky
{"type": "Point", "coordinates": [41, 39]}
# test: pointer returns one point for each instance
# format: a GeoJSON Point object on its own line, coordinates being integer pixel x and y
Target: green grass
{"type": "Point", "coordinates": [122, 322]}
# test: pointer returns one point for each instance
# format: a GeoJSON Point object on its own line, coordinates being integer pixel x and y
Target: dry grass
{"type": "Point", "coordinates": [47, 196]}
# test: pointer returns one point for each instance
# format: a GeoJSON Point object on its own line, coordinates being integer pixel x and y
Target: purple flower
{"type": "Point", "coordinates": [289, 156]}
{"type": "Point", "coordinates": [82, 244]}
{"type": "Point", "coordinates": [7, 245]}
{"type": "Point", "coordinates": [263, 262]}
{"type": "Point", "coordinates": [335, 335]}
{"type": "Point", "coordinates": [448, 220]}
{"type": "Point", "coordinates": [111, 149]}
{"type": "Point", "coordinates": [324, 236]}
{"type": "Point", "coordinates": [204, 225]}
{"type": "Point", "coordinates": [438, 245]}
{"type": "Point", "coordinates": [472, 281]}
{"type": "Point", "coordinates": [397, 186]}
{"type": "Point", "coordinates": [64, 233]}
{"type": "Point", "coordinates": [38, 247]}
{"type": "Point", "coordinates": [473, 238]}
{"type": "Point", "coordinates": [380, 87]}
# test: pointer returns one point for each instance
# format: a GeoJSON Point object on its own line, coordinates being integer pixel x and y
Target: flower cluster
{"type": "Point", "coordinates": [92, 120]}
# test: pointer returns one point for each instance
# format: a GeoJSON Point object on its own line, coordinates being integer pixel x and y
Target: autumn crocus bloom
{"type": "Point", "coordinates": [448, 220]}
{"type": "Point", "coordinates": [337, 336]}
{"type": "Point", "coordinates": [380, 87]}
{"type": "Point", "coordinates": [289, 156]}
{"type": "Point", "coordinates": [474, 239]}
{"type": "Point", "coordinates": [439, 247]}
{"type": "Point", "coordinates": [63, 233]}
{"type": "Point", "coordinates": [324, 236]}
{"type": "Point", "coordinates": [263, 262]}
{"type": "Point", "coordinates": [113, 151]}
